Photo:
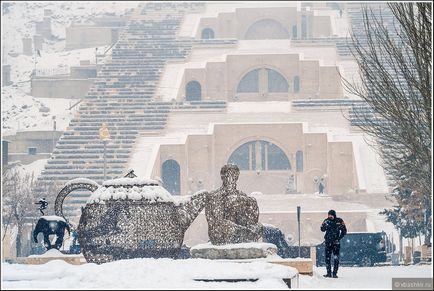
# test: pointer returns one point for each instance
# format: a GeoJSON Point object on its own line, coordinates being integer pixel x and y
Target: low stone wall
{"type": "Point", "coordinates": [26, 159]}
{"type": "Point", "coordinates": [78, 37]}
{"type": "Point", "coordinates": [286, 221]}
{"type": "Point", "coordinates": [60, 88]}
{"type": "Point", "coordinates": [43, 141]}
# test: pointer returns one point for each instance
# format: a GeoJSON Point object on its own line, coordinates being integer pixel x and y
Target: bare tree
{"type": "Point", "coordinates": [396, 84]}
{"type": "Point", "coordinates": [18, 201]}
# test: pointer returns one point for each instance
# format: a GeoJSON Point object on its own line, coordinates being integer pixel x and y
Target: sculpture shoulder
{"type": "Point", "coordinates": [241, 193]}
{"type": "Point", "coordinates": [214, 193]}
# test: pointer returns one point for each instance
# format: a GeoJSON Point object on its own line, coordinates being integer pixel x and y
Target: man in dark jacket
{"type": "Point", "coordinates": [335, 230]}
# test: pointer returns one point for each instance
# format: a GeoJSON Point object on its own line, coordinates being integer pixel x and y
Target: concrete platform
{"type": "Point", "coordinates": [242, 271]}
{"type": "Point", "coordinates": [73, 260]}
{"type": "Point", "coordinates": [303, 266]}
{"type": "Point", "coordinates": [51, 255]}
{"type": "Point", "coordinates": [240, 251]}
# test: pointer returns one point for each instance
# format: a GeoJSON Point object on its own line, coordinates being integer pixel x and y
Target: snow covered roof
{"type": "Point", "coordinates": [136, 189]}
{"type": "Point", "coordinates": [153, 193]}
{"type": "Point", "coordinates": [130, 182]}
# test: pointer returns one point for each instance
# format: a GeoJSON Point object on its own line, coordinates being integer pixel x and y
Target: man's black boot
{"type": "Point", "coordinates": [335, 275]}
{"type": "Point", "coordinates": [328, 275]}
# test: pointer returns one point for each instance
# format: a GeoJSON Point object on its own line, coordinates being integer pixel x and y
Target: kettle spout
{"type": "Point", "coordinates": [188, 211]}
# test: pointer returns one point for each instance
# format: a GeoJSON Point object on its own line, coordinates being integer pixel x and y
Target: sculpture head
{"type": "Point", "coordinates": [229, 174]}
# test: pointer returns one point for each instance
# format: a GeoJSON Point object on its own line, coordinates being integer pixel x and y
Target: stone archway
{"type": "Point", "coordinates": [171, 176]}
{"type": "Point", "coordinates": [267, 29]}
{"type": "Point", "coordinates": [207, 33]}
{"type": "Point", "coordinates": [193, 91]}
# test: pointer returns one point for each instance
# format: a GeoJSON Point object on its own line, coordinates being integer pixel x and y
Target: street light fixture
{"type": "Point", "coordinates": [104, 135]}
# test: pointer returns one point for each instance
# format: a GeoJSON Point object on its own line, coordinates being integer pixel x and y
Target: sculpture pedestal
{"type": "Point", "coordinates": [51, 255]}
{"type": "Point", "coordinates": [243, 255]}
{"type": "Point", "coordinates": [242, 251]}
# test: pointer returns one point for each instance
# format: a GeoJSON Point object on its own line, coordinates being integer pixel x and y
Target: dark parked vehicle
{"type": "Point", "coordinates": [358, 248]}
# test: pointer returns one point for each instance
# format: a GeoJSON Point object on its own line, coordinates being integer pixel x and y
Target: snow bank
{"type": "Point", "coordinates": [145, 274]}
{"type": "Point", "coordinates": [179, 274]}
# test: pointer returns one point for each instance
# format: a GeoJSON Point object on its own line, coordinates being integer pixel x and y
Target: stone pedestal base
{"type": "Point", "coordinates": [51, 255]}
{"type": "Point", "coordinates": [233, 251]}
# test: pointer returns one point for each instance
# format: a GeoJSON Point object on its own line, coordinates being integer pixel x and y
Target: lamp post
{"type": "Point", "coordinates": [54, 131]}
{"type": "Point", "coordinates": [298, 223]}
{"type": "Point", "coordinates": [104, 135]}
{"type": "Point", "coordinates": [96, 57]}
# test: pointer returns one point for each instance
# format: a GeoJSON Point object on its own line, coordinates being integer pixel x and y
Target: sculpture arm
{"type": "Point", "coordinates": [239, 230]}
{"type": "Point", "coordinates": [188, 211]}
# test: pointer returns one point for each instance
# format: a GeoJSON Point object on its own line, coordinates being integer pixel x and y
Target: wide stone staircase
{"type": "Point", "coordinates": [122, 97]}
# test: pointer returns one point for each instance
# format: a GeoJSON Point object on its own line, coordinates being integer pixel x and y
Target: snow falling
{"type": "Point", "coordinates": [216, 145]}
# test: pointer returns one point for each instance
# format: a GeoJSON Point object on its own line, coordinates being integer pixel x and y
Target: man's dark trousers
{"type": "Point", "coordinates": [329, 249]}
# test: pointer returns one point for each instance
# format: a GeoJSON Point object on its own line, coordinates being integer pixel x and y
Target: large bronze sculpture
{"type": "Point", "coordinates": [134, 218]}
{"type": "Point", "coordinates": [232, 215]}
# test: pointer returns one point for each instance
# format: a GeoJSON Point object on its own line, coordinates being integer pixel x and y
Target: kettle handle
{"type": "Point", "coordinates": [79, 183]}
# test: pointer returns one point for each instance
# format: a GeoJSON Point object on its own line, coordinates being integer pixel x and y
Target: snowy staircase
{"type": "Point", "coordinates": [122, 96]}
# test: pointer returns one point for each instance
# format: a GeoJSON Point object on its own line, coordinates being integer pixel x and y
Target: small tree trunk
{"type": "Point", "coordinates": [7, 225]}
{"type": "Point", "coordinates": [18, 239]}
{"type": "Point", "coordinates": [427, 239]}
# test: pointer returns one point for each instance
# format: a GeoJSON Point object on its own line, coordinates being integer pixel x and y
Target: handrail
{"type": "Point", "coordinates": [72, 106]}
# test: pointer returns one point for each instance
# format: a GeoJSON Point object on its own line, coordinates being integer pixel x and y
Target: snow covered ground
{"type": "Point", "coordinates": [20, 110]}
{"type": "Point", "coordinates": [18, 19]}
{"type": "Point", "coordinates": [363, 278]}
{"type": "Point", "coordinates": [36, 167]}
{"type": "Point", "coordinates": [179, 274]}
{"type": "Point", "coordinates": [144, 274]}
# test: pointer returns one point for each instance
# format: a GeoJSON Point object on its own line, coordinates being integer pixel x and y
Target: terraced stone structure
{"type": "Point", "coordinates": [122, 96]}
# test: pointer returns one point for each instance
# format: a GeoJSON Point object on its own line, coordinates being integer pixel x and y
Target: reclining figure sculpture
{"type": "Point", "coordinates": [232, 215]}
